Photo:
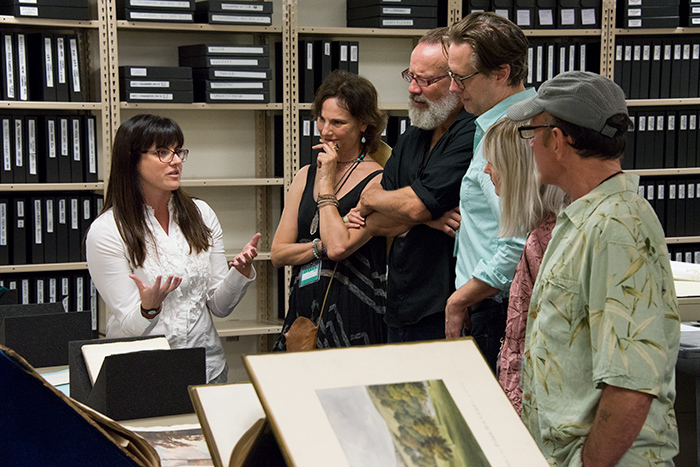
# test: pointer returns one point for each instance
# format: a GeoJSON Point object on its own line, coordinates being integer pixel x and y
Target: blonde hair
{"type": "Point", "coordinates": [525, 202]}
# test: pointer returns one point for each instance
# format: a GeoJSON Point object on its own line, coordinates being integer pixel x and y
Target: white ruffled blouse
{"type": "Point", "coordinates": [208, 285]}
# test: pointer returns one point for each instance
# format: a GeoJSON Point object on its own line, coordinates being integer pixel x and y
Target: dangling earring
{"type": "Point", "coordinates": [363, 140]}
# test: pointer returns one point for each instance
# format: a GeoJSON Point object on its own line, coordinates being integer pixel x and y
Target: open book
{"type": "Point", "coordinates": [225, 412]}
{"type": "Point", "coordinates": [94, 354]}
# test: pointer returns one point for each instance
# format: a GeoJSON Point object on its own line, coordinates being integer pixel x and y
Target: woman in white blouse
{"type": "Point", "coordinates": [155, 254]}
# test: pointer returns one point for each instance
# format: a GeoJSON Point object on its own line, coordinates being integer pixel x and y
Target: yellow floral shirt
{"type": "Point", "coordinates": [603, 311]}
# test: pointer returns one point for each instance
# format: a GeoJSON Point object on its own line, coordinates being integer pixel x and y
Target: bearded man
{"type": "Point", "coordinates": [418, 198]}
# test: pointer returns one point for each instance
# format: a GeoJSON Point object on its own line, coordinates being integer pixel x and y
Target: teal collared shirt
{"type": "Point", "coordinates": [480, 252]}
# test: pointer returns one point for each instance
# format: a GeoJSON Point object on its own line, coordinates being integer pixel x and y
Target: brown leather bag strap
{"type": "Point", "coordinates": [323, 306]}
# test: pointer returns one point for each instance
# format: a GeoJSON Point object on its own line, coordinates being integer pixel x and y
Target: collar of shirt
{"type": "Point", "coordinates": [581, 209]}
{"type": "Point", "coordinates": [495, 113]}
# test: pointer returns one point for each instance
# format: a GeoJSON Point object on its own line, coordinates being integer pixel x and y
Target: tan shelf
{"type": "Point", "coordinates": [245, 327]}
{"type": "Point", "coordinates": [199, 106]}
{"type": "Point", "coordinates": [19, 268]}
{"type": "Point", "coordinates": [53, 23]}
{"type": "Point", "coordinates": [645, 32]}
{"type": "Point", "coordinates": [39, 105]}
{"type": "Point", "coordinates": [562, 32]}
{"type": "Point", "coordinates": [358, 32]}
{"type": "Point", "coordinates": [676, 240]}
{"type": "Point", "coordinates": [83, 186]}
{"type": "Point", "coordinates": [384, 106]}
{"type": "Point", "coordinates": [213, 182]}
{"type": "Point", "coordinates": [654, 172]}
{"type": "Point", "coordinates": [664, 102]}
{"type": "Point", "coordinates": [689, 308]}
{"type": "Point", "coordinates": [197, 27]}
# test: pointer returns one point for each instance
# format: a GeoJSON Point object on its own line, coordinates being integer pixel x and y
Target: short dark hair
{"type": "Point", "coordinates": [495, 41]}
{"type": "Point", "coordinates": [358, 96]}
{"type": "Point", "coordinates": [591, 143]}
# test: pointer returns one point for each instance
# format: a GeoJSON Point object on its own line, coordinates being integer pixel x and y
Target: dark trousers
{"type": "Point", "coordinates": [431, 327]}
{"type": "Point", "coordinates": [488, 327]}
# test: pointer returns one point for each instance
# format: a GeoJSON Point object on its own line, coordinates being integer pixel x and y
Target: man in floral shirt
{"type": "Point", "coordinates": [603, 326]}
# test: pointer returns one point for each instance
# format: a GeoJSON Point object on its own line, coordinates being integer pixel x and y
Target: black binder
{"type": "Point", "coordinates": [693, 158]}
{"type": "Point", "coordinates": [74, 239]}
{"type": "Point", "coordinates": [642, 142]}
{"type": "Point", "coordinates": [628, 160]}
{"type": "Point", "coordinates": [324, 61]}
{"type": "Point", "coordinates": [41, 332]}
{"type": "Point", "coordinates": [61, 226]}
{"type": "Point", "coordinates": [657, 157]}
{"type": "Point", "coordinates": [546, 14]}
{"type": "Point", "coordinates": [19, 211]}
{"type": "Point", "coordinates": [655, 71]}
{"type": "Point", "coordinates": [305, 141]}
{"type": "Point", "coordinates": [8, 153]}
{"type": "Point", "coordinates": [22, 71]}
{"type": "Point", "coordinates": [8, 54]}
{"type": "Point", "coordinates": [124, 378]}
{"type": "Point", "coordinates": [340, 55]}
{"type": "Point", "coordinates": [666, 60]}
{"type": "Point", "coordinates": [685, 69]}
{"type": "Point", "coordinates": [42, 67]}
{"type": "Point", "coordinates": [64, 149]}
{"type": "Point", "coordinates": [74, 65]}
{"type": "Point", "coordinates": [681, 207]}
{"type": "Point", "coordinates": [694, 72]}
{"type": "Point", "coordinates": [49, 231]}
{"type": "Point", "coordinates": [5, 239]}
{"type": "Point", "coordinates": [62, 67]}
{"type": "Point", "coordinates": [671, 208]}
{"type": "Point", "coordinates": [306, 74]}
{"type": "Point", "coordinates": [591, 14]}
{"type": "Point", "coordinates": [626, 79]}
{"type": "Point", "coordinates": [636, 69]}
{"type": "Point", "coordinates": [645, 71]}
{"type": "Point", "coordinates": [354, 57]}
{"type": "Point", "coordinates": [670, 140]}
{"type": "Point", "coordinates": [31, 142]}
{"type": "Point", "coordinates": [682, 132]}
{"type": "Point", "coordinates": [19, 165]}
{"type": "Point", "coordinates": [76, 150]}
{"type": "Point", "coordinates": [569, 14]}
{"type": "Point", "coordinates": [504, 8]}
{"type": "Point", "coordinates": [676, 69]}
{"type": "Point", "coordinates": [661, 202]}
{"type": "Point", "coordinates": [36, 231]}
{"type": "Point", "coordinates": [48, 150]}
{"type": "Point", "coordinates": [90, 148]}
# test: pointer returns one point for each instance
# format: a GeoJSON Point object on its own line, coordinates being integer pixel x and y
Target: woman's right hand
{"type": "Point", "coordinates": [326, 163]}
{"type": "Point", "coordinates": [353, 220]}
{"type": "Point", "coordinates": [152, 296]}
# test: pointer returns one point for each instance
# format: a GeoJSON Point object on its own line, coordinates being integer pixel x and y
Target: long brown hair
{"type": "Point", "coordinates": [125, 197]}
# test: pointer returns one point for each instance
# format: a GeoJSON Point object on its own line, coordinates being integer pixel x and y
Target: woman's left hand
{"type": "Point", "coordinates": [353, 220]}
{"type": "Point", "coordinates": [243, 261]}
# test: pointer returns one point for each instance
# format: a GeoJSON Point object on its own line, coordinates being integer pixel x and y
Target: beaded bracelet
{"type": "Point", "coordinates": [314, 249]}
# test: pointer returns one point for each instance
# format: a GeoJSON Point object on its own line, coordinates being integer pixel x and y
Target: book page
{"type": "Point", "coordinates": [94, 354]}
{"type": "Point", "coordinates": [226, 412]}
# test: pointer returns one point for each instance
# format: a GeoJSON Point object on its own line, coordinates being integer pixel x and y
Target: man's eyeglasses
{"type": "Point", "coordinates": [166, 155]}
{"type": "Point", "coordinates": [528, 131]}
{"type": "Point", "coordinates": [422, 82]}
{"type": "Point", "coordinates": [459, 80]}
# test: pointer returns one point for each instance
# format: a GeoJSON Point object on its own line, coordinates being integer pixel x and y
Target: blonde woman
{"type": "Point", "coordinates": [526, 206]}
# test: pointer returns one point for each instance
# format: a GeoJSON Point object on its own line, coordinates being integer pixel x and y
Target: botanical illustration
{"type": "Point", "coordinates": [403, 424]}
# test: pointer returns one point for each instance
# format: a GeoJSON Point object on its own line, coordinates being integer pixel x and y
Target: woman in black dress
{"type": "Point", "coordinates": [312, 235]}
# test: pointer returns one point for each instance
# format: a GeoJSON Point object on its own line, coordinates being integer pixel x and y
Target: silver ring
{"type": "Point", "coordinates": [345, 219]}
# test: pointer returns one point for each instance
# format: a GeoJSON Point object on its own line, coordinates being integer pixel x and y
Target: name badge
{"type": "Point", "coordinates": [310, 273]}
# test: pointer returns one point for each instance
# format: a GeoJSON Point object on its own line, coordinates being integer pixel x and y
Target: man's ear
{"type": "Point", "coordinates": [560, 142]}
{"type": "Point", "coordinates": [503, 73]}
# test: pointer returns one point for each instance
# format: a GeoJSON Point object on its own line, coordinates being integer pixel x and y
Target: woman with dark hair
{"type": "Point", "coordinates": [312, 235]}
{"type": "Point", "coordinates": [156, 254]}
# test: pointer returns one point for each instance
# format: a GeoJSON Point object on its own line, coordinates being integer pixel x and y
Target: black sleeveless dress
{"type": "Point", "coordinates": [354, 313]}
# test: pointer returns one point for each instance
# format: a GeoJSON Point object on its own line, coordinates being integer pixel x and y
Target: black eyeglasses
{"type": "Point", "coordinates": [166, 155]}
{"type": "Point", "coordinates": [422, 82]}
{"type": "Point", "coordinates": [528, 131]}
{"type": "Point", "coordinates": [459, 80]}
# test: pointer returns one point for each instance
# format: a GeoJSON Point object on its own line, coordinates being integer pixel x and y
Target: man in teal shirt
{"type": "Point", "coordinates": [487, 61]}
{"type": "Point", "coordinates": [603, 326]}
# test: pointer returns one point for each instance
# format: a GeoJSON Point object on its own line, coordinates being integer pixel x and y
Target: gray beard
{"type": "Point", "coordinates": [436, 113]}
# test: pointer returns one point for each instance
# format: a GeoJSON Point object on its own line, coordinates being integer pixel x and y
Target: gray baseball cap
{"type": "Point", "coordinates": [579, 97]}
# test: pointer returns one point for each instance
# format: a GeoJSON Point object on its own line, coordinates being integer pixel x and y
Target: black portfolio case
{"type": "Point", "coordinates": [143, 384]}
{"type": "Point", "coordinates": [41, 332]}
